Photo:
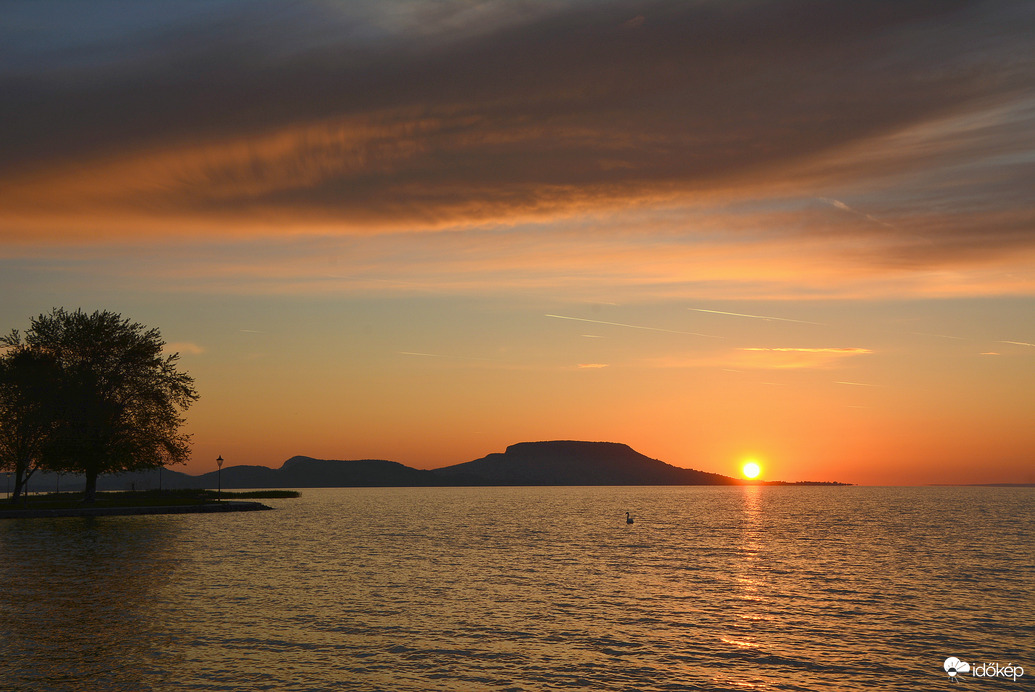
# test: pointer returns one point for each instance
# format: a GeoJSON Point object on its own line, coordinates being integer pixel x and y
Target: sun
{"type": "Point", "coordinates": [751, 469]}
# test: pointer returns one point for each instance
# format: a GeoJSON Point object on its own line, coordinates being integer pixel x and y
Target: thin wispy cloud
{"type": "Point", "coordinates": [747, 359]}
{"type": "Point", "coordinates": [421, 354]}
{"type": "Point", "coordinates": [838, 204]}
{"type": "Point", "coordinates": [632, 326]}
{"type": "Point", "coordinates": [837, 351]}
{"type": "Point", "coordinates": [941, 336]}
{"type": "Point", "coordinates": [757, 317]}
{"type": "Point", "coordinates": [793, 358]}
{"type": "Point", "coordinates": [539, 260]}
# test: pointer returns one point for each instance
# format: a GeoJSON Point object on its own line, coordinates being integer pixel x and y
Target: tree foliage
{"type": "Point", "coordinates": [114, 398]}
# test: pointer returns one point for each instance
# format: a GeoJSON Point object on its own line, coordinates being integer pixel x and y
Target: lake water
{"type": "Point", "coordinates": [757, 588]}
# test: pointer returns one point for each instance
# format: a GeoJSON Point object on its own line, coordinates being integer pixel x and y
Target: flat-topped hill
{"type": "Point", "coordinates": [569, 462]}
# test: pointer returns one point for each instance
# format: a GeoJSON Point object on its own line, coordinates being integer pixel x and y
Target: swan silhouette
{"type": "Point", "coordinates": [628, 519]}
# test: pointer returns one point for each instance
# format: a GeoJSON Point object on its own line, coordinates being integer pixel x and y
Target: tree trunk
{"type": "Point", "coordinates": [19, 486]}
{"type": "Point", "coordinates": [90, 491]}
{"type": "Point", "coordinates": [22, 472]}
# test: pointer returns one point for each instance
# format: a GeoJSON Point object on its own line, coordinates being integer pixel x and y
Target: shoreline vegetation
{"type": "Point", "coordinates": [182, 501]}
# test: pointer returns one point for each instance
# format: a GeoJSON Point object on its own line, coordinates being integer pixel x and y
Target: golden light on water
{"type": "Point", "coordinates": [751, 469]}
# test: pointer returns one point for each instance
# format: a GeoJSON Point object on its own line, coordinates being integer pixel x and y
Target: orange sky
{"type": "Point", "coordinates": [795, 231]}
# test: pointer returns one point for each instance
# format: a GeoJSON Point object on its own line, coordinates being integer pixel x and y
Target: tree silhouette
{"type": "Point", "coordinates": [117, 398]}
{"type": "Point", "coordinates": [29, 382]}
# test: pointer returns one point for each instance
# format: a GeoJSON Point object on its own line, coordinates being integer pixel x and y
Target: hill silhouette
{"type": "Point", "coordinates": [296, 472]}
{"type": "Point", "coordinates": [307, 472]}
{"type": "Point", "coordinates": [557, 462]}
{"type": "Point", "coordinates": [569, 462]}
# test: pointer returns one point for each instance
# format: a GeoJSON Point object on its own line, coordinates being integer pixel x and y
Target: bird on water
{"type": "Point", "coordinates": [628, 519]}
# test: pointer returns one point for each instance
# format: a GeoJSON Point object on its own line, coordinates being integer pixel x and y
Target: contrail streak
{"type": "Point", "coordinates": [757, 317]}
{"type": "Point", "coordinates": [844, 207]}
{"type": "Point", "coordinates": [439, 355]}
{"type": "Point", "coordinates": [633, 326]}
{"type": "Point", "coordinates": [941, 336]}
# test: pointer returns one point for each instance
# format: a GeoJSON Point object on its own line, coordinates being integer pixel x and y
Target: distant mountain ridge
{"type": "Point", "coordinates": [556, 462]}
{"type": "Point", "coordinates": [296, 472]}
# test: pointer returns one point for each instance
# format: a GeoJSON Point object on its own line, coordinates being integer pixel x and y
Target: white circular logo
{"type": "Point", "coordinates": [953, 666]}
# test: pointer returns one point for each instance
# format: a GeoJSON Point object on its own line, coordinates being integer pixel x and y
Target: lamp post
{"type": "Point", "coordinates": [219, 478]}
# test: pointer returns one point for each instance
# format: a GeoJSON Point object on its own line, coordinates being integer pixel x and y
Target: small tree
{"type": "Point", "coordinates": [118, 397]}
{"type": "Point", "coordinates": [29, 383]}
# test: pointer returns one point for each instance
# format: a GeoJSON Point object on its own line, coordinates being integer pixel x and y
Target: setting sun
{"type": "Point", "coordinates": [751, 469]}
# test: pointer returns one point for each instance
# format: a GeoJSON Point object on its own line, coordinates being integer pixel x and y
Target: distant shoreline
{"type": "Point", "coordinates": [980, 485]}
{"type": "Point", "coordinates": [544, 463]}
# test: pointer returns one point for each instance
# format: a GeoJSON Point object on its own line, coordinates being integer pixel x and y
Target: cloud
{"type": "Point", "coordinates": [595, 260]}
{"type": "Point", "coordinates": [421, 354]}
{"type": "Point", "coordinates": [795, 358]}
{"type": "Point", "coordinates": [472, 113]}
{"type": "Point", "coordinates": [659, 148]}
{"type": "Point", "coordinates": [746, 359]}
{"type": "Point", "coordinates": [757, 317]}
{"type": "Point", "coordinates": [844, 207]}
{"type": "Point", "coordinates": [631, 326]}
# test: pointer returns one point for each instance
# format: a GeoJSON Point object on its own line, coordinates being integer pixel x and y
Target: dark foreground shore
{"type": "Point", "coordinates": [228, 506]}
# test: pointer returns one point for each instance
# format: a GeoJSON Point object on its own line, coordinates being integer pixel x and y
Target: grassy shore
{"type": "Point", "coordinates": [139, 498]}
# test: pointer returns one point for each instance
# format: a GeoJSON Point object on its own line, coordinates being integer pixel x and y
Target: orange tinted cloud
{"type": "Point", "coordinates": [536, 115]}
{"type": "Point", "coordinates": [658, 150]}
{"type": "Point", "coordinates": [620, 262]}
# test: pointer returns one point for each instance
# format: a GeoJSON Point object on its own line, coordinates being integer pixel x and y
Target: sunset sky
{"type": "Point", "coordinates": [423, 230]}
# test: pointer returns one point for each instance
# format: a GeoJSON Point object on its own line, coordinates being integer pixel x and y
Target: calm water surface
{"type": "Point", "coordinates": [529, 589]}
